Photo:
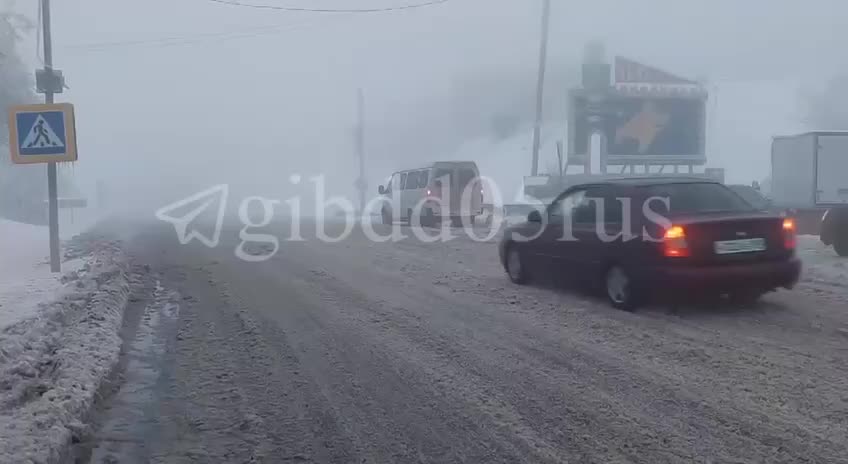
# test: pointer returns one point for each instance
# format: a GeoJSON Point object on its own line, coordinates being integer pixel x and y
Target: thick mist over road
{"type": "Point", "coordinates": [214, 295]}
{"type": "Point", "coordinates": [184, 95]}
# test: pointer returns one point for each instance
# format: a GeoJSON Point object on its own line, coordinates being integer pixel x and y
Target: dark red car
{"type": "Point", "coordinates": [639, 237]}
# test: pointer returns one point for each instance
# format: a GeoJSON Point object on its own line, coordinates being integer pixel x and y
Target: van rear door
{"type": "Point", "coordinates": [467, 178]}
{"type": "Point", "coordinates": [443, 182]}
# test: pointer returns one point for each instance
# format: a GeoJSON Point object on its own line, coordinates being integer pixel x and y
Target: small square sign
{"type": "Point", "coordinates": [42, 133]}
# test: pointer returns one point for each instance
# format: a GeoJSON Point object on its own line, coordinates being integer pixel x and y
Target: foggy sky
{"type": "Point", "coordinates": [192, 93]}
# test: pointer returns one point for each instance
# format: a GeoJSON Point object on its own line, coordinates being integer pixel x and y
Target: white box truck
{"type": "Point", "coordinates": [809, 179]}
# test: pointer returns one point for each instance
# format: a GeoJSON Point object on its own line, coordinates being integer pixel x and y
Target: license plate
{"type": "Point", "coordinates": [745, 245]}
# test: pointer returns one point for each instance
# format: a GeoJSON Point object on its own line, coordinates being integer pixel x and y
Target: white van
{"type": "Point", "coordinates": [439, 189]}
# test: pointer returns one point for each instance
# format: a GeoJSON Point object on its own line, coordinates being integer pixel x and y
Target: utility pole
{"type": "Point", "coordinates": [361, 183]}
{"type": "Point", "coordinates": [52, 188]}
{"type": "Point", "coordinates": [540, 85]}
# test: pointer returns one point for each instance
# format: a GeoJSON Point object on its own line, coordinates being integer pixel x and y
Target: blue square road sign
{"type": "Point", "coordinates": [42, 133]}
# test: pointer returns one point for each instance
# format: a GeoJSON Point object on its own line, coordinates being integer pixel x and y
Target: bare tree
{"type": "Point", "coordinates": [22, 188]}
{"type": "Point", "coordinates": [15, 77]}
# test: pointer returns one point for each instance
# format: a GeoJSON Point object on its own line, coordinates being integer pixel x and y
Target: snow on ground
{"type": "Point", "coordinates": [25, 277]}
{"type": "Point", "coordinates": [821, 263]}
{"type": "Point", "coordinates": [53, 363]}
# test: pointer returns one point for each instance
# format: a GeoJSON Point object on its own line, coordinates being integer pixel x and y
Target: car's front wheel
{"type": "Point", "coordinates": [620, 289]}
{"type": "Point", "coordinates": [516, 266]}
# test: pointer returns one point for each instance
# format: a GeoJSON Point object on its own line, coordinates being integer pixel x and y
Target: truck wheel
{"type": "Point", "coordinates": [835, 230]}
{"type": "Point", "coordinates": [840, 243]}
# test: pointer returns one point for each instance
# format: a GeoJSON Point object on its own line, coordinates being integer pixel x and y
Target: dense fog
{"type": "Point", "coordinates": [173, 97]}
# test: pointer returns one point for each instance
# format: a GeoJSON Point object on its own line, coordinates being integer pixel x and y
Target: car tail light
{"type": "Point", "coordinates": [674, 242]}
{"type": "Point", "coordinates": [790, 237]}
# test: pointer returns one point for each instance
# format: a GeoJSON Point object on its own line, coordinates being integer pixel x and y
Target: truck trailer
{"type": "Point", "coordinates": [809, 180]}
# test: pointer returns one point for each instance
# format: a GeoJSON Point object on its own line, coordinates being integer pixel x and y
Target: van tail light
{"type": "Point", "coordinates": [674, 243]}
{"type": "Point", "coordinates": [790, 235]}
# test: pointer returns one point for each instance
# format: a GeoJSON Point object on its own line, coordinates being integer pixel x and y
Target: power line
{"type": "Point", "coordinates": [239, 34]}
{"type": "Point", "coordinates": [329, 10]}
{"type": "Point", "coordinates": [193, 39]}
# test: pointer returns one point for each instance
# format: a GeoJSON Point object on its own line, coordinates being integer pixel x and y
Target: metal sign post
{"type": "Point", "coordinates": [45, 133]}
{"type": "Point", "coordinates": [540, 86]}
{"type": "Point", "coordinates": [52, 187]}
{"type": "Point", "coordinates": [361, 182]}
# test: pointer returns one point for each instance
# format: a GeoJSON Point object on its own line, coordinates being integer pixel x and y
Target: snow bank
{"type": "Point", "coordinates": [52, 365]}
{"type": "Point", "coordinates": [821, 264]}
{"type": "Point", "coordinates": [25, 277]}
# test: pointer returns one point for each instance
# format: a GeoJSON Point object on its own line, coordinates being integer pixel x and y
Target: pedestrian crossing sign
{"type": "Point", "coordinates": [42, 133]}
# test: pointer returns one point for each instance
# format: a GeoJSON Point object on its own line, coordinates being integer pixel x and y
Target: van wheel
{"type": "Point", "coordinates": [427, 218]}
{"type": "Point", "coordinates": [457, 221]}
{"type": "Point", "coordinates": [515, 265]}
{"type": "Point", "coordinates": [620, 289]}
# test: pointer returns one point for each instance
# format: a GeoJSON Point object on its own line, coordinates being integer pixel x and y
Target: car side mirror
{"type": "Point", "coordinates": [381, 190]}
{"type": "Point", "coordinates": [534, 216]}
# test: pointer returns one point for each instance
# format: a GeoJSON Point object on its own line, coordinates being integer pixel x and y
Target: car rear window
{"type": "Point", "coordinates": [699, 198]}
{"type": "Point", "coordinates": [755, 198]}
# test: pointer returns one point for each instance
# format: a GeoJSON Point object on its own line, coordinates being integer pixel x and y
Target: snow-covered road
{"type": "Point", "coordinates": [824, 271]}
{"type": "Point", "coordinates": [412, 352]}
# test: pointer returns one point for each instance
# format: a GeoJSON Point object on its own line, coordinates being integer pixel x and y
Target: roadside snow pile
{"type": "Point", "coordinates": [821, 264]}
{"type": "Point", "coordinates": [25, 277]}
{"type": "Point", "coordinates": [52, 365]}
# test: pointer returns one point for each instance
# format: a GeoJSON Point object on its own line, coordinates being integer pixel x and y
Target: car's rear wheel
{"type": "Point", "coordinates": [620, 289]}
{"type": "Point", "coordinates": [516, 266]}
